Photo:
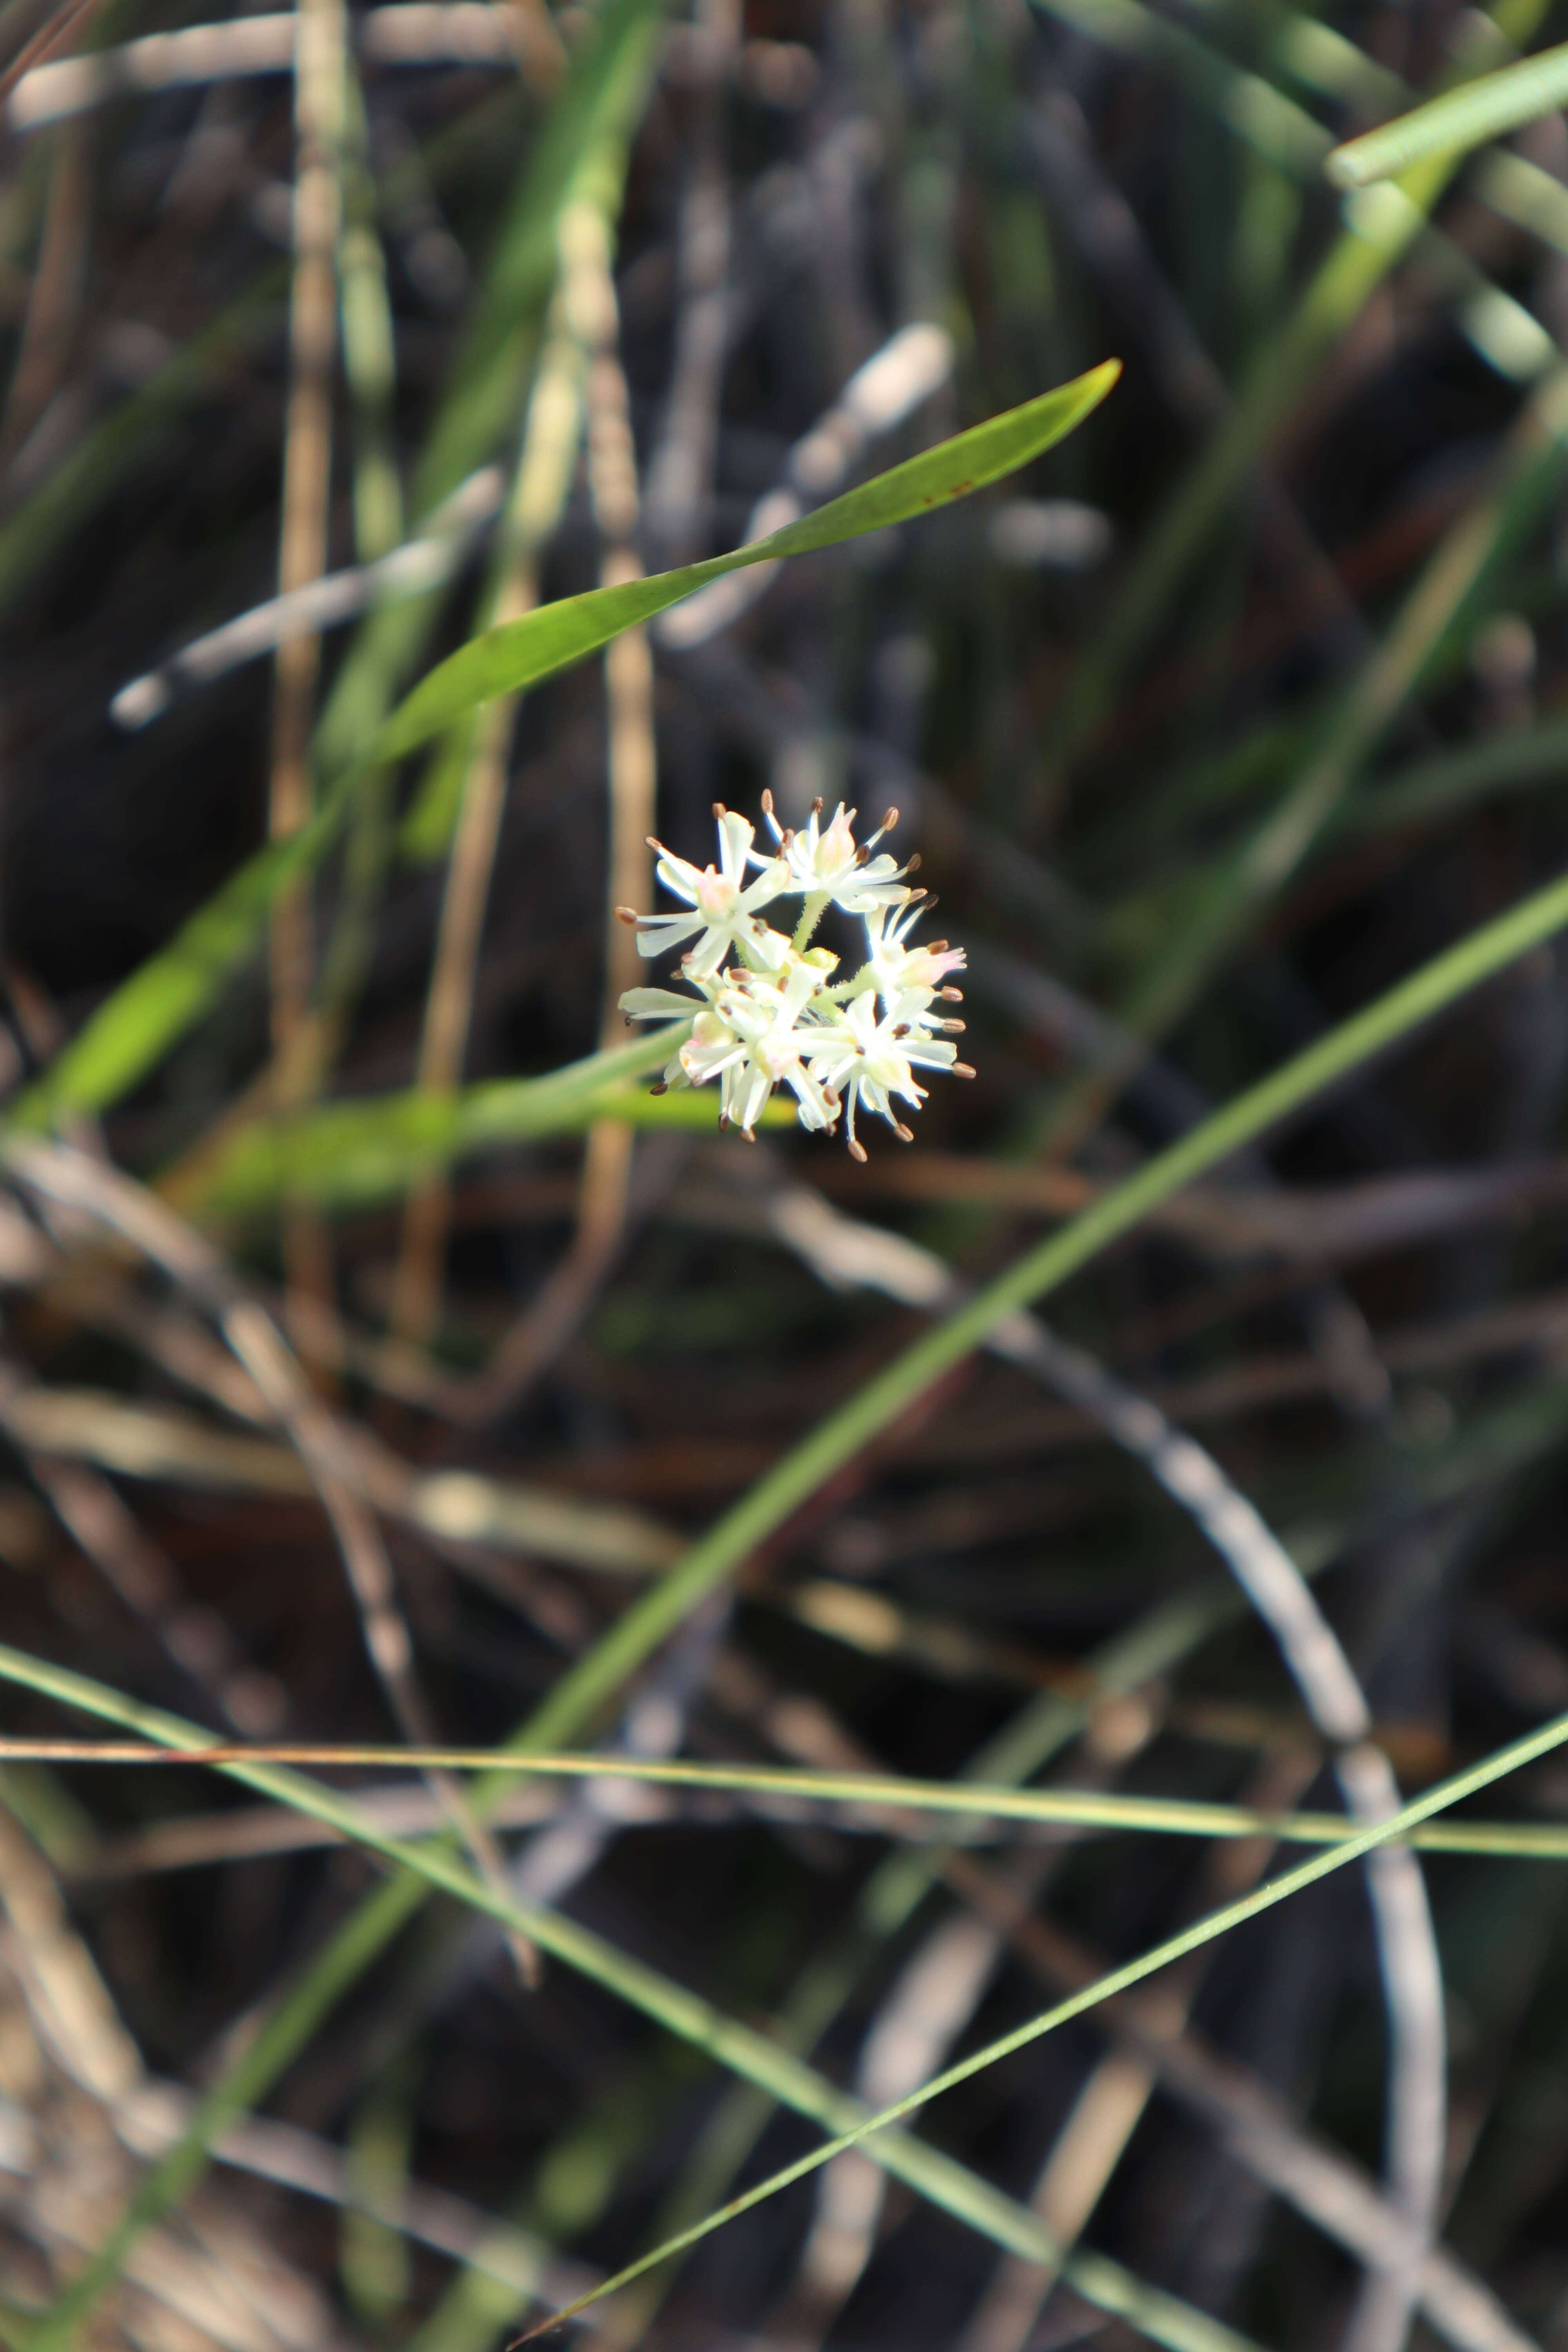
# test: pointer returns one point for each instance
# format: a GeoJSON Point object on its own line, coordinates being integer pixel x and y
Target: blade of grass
{"type": "Point", "coordinates": [695, 2020]}
{"type": "Point", "coordinates": [508, 659]}
{"type": "Point", "coordinates": [887, 1791]}
{"type": "Point", "coordinates": [686, 2015]}
{"type": "Point", "coordinates": [1451, 125]}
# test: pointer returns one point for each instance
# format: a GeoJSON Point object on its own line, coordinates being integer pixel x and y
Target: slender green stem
{"type": "Point", "coordinates": [977, 1801]}
{"type": "Point", "coordinates": [811, 914]}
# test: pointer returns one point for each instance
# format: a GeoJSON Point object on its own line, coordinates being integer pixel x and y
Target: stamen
{"type": "Point", "coordinates": [891, 820]}
{"type": "Point", "coordinates": [627, 915]}
{"type": "Point", "coordinates": [904, 1134]}
{"type": "Point", "coordinates": [951, 995]}
{"type": "Point", "coordinates": [914, 864]}
{"type": "Point", "coordinates": [964, 1070]}
{"type": "Point", "coordinates": [719, 810]}
{"type": "Point", "coordinates": [767, 803]}
{"type": "Point", "coordinates": [955, 1028]}
{"type": "Point", "coordinates": [856, 1151]}
{"type": "Point", "coordinates": [816, 805]}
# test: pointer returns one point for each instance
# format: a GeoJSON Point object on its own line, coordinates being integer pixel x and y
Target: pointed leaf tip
{"type": "Point", "coordinates": [505, 660]}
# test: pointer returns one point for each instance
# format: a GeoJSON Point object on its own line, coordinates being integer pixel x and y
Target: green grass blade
{"type": "Point", "coordinates": [691, 2019]}
{"type": "Point", "coordinates": [753, 2054]}
{"type": "Point", "coordinates": [1190, 1939]}
{"type": "Point", "coordinates": [516, 654]}
{"type": "Point", "coordinates": [1462, 118]}
{"type": "Point", "coordinates": [975, 1800]}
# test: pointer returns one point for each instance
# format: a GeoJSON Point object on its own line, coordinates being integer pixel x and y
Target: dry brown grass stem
{"type": "Point", "coordinates": [588, 295]}
{"type": "Point", "coordinates": [539, 492]}
{"type": "Point", "coordinates": [320, 101]}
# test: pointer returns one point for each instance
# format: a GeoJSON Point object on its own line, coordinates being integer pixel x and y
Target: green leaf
{"type": "Point", "coordinates": [1454, 123]}
{"type": "Point", "coordinates": [519, 652]}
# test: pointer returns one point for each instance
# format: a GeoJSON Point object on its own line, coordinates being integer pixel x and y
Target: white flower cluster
{"type": "Point", "coordinates": [768, 1011]}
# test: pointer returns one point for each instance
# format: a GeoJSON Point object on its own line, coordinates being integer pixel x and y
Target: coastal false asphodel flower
{"type": "Point", "coordinates": [765, 1008]}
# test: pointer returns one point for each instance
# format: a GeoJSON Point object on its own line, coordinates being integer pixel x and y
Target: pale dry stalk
{"type": "Point", "coordinates": [319, 98]}
{"type": "Point", "coordinates": [588, 297]}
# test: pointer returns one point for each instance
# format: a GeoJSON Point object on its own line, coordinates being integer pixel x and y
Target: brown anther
{"type": "Point", "coordinates": [720, 809]}
{"type": "Point", "coordinates": [937, 947]}
{"type": "Point", "coordinates": [659, 1086]}
{"type": "Point", "coordinates": [914, 864]}
{"type": "Point", "coordinates": [902, 1030]}
{"type": "Point", "coordinates": [904, 1134]}
{"type": "Point", "coordinates": [964, 1070]}
{"type": "Point", "coordinates": [626, 915]}
{"type": "Point", "coordinates": [651, 841]}
{"type": "Point", "coordinates": [723, 1121]}
{"type": "Point", "coordinates": [788, 836]}
{"type": "Point", "coordinates": [861, 854]}
{"type": "Point", "coordinates": [856, 1151]}
{"type": "Point", "coordinates": [767, 802]}
{"type": "Point", "coordinates": [889, 821]}
{"type": "Point", "coordinates": [955, 1028]}
{"type": "Point", "coordinates": [750, 1134]}
{"type": "Point", "coordinates": [816, 805]}
{"type": "Point", "coordinates": [951, 995]}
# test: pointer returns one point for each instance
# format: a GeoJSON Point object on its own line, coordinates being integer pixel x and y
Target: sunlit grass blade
{"type": "Point", "coordinates": [506, 659]}
{"type": "Point", "coordinates": [1462, 118]}
{"type": "Point", "coordinates": [348, 1154]}
{"type": "Point", "coordinates": [979, 1801]}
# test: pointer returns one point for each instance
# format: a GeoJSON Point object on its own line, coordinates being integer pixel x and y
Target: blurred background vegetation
{"type": "Point", "coordinates": [329, 340]}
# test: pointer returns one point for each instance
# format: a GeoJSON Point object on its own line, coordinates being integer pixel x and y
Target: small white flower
{"type": "Point", "coordinates": [767, 1015]}
{"type": "Point", "coordinates": [869, 1061]}
{"type": "Point", "coordinates": [895, 970]}
{"type": "Point", "coordinates": [764, 1011]}
{"type": "Point", "coordinates": [824, 862]}
{"type": "Point", "coordinates": [725, 907]}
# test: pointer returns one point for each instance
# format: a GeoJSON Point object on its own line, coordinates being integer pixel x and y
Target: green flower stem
{"type": "Point", "coordinates": [811, 914]}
